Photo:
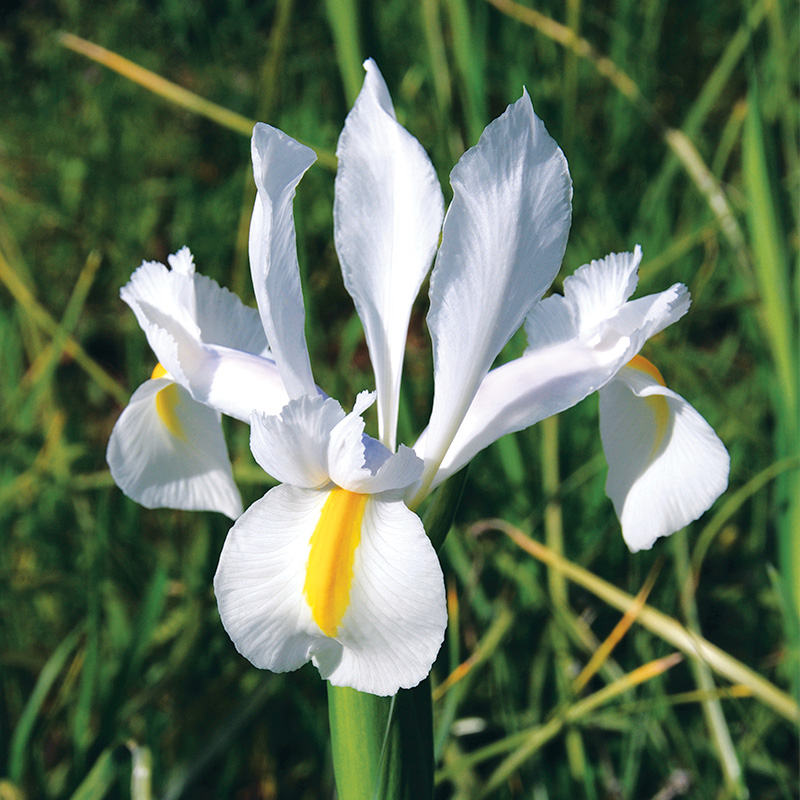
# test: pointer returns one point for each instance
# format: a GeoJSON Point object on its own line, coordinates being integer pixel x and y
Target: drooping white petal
{"type": "Point", "coordinates": [279, 162]}
{"type": "Point", "coordinates": [666, 466]}
{"type": "Point", "coordinates": [260, 578]}
{"type": "Point", "coordinates": [503, 240]}
{"type": "Point", "coordinates": [170, 452]}
{"type": "Point", "coordinates": [294, 446]}
{"type": "Point", "coordinates": [394, 623]}
{"type": "Point", "coordinates": [386, 217]}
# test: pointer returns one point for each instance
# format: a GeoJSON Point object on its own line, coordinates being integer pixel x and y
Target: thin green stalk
{"type": "Point", "coordinates": [780, 330]}
{"type": "Point", "coordinates": [382, 747]}
{"type": "Point", "coordinates": [469, 62]}
{"type": "Point", "coordinates": [554, 536]}
{"type": "Point", "coordinates": [668, 629]}
{"type": "Point", "coordinates": [772, 263]}
{"type": "Point", "coordinates": [20, 745]}
{"type": "Point", "coordinates": [42, 319]}
{"type": "Point", "coordinates": [343, 19]}
{"type": "Point", "coordinates": [712, 707]}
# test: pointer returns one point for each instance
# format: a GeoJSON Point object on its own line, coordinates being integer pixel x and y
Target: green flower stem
{"type": "Point", "coordinates": [383, 746]}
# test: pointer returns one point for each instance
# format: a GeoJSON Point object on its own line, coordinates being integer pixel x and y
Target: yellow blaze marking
{"type": "Point", "coordinates": [330, 563]}
{"type": "Point", "coordinates": [656, 402]}
{"type": "Point", "coordinates": [648, 367]}
{"type": "Point", "coordinates": [158, 372]}
{"type": "Point", "coordinates": [167, 402]}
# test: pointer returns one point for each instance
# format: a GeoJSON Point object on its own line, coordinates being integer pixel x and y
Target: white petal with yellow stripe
{"type": "Point", "coordinates": [343, 578]}
{"type": "Point", "coordinates": [167, 449]}
{"type": "Point", "coordinates": [666, 466]}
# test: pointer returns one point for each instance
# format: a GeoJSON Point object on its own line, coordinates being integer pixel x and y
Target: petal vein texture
{"type": "Point", "coordinates": [393, 626]}
{"type": "Point", "coordinates": [157, 468]}
{"type": "Point", "coordinates": [279, 162]}
{"type": "Point", "coordinates": [503, 240]}
{"type": "Point", "coordinates": [387, 216]}
{"type": "Point", "coordinates": [666, 466]}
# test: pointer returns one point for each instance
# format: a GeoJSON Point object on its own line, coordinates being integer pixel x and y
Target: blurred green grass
{"type": "Point", "coordinates": [111, 652]}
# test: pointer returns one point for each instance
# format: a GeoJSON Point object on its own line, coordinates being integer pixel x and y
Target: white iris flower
{"type": "Point", "coordinates": [167, 447]}
{"type": "Point", "coordinates": [333, 565]}
{"type": "Point", "coordinates": [666, 465]}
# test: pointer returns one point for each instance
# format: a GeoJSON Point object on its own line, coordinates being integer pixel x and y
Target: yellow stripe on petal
{"type": "Point", "coordinates": [167, 402]}
{"type": "Point", "coordinates": [656, 402]}
{"type": "Point", "coordinates": [330, 563]}
{"type": "Point", "coordinates": [159, 372]}
{"type": "Point", "coordinates": [648, 367]}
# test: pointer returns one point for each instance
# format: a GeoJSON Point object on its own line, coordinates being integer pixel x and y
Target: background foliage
{"type": "Point", "coordinates": [680, 124]}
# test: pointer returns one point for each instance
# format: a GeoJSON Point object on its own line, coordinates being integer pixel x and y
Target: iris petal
{"type": "Point", "coordinates": [663, 471]}
{"type": "Point", "coordinates": [157, 468]}
{"type": "Point", "coordinates": [279, 162]}
{"type": "Point", "coordinates": [502, 244]}
{"type": "Point", "coordinates": [386, 219]}
{"type": "Point", "coordinates": [392, 628]}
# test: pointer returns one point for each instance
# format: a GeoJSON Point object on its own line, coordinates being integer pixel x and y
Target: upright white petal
{"type": "Point", "coordinates": [596, 290]}
{"type": "Point", "coordinates": [158, 297]}
{"type": "Point", "coordinates": [387, 216]}
{"type": "Point", "coordinates": [503, 240]}
{"type": "Point", "coordinates": [166, 450]}
{"type": "Point", "coordinates": [279, 162]}
{"type": "Point", "coordinates": [395, 618]}
{"type": "Point", "coordinates": [225, 320]}
{"type": "Point", "coordinates": [666, 466]}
